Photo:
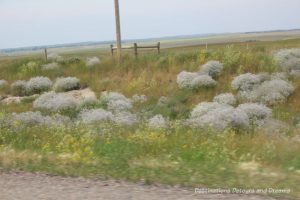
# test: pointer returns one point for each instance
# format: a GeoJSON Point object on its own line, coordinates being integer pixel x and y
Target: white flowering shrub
{"type": "Point", "coordinates": [66, 84]}
{"type": "Point", "coordinates": [184, 79]}
{"type": "Point", "coordinates": [217, 116]}
{"type": "Point", "coordinates": [203, 81]}
{"type": "Point", "coordinates": [92, 61]}
{"type": "Point", "coordinates": [55, 102]}
{"type": "Point", "coordinates": [274, 91]}
{"type": "Point", "coordinates": [212, 68]}
{"type": "Point", "coordinates": [50, 66]}
{"type": "Point", "coordinates": [125, 119]}
{"type": "Point", "coordinates": [95, 116]}
{"type": "Point", "coordinates": [116, 101]}
{"type": "Point", "coordinates": [226, 98]}
{"type": "Point", "coordinates": [190, 80]}
{"type": "Point", "coordinates": [37, 85]}
{"type": "Point", "coordinates": [29, 119]}
{"type": "Point", "coordinates": [158, 122]}
{"type": "Point", "coordinates": [257, 113]}
{"type": "Point", "coordinates": [18, 88]}
{"type": "Point", "coordinates": [3, 84]}
{"type": "Point", "coordinates": [279, 76]}
{"type": "Point", "coordinates": [139, 98]}
{"type": "Point", "coordinates": [246, 82]}
{"type": "Point", "coordinates": [57, 120]}
{"type": "Point", "coordinates": [288, 59]}
{"type": "Point", "coordinates": [295, 73]}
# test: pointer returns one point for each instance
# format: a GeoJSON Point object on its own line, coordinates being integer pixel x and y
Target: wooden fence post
{"type": "Point", "coordinates": [46, 55]}
{"type": "Point", "coordinates": [158, 47]}
{"type": "Point", "coordinates": [135, 48]}
{"type": "Point", "coordinates": [112, 50]}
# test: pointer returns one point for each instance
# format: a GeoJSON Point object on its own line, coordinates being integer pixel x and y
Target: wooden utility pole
{"type": "Point", "coordinates": [46, 55]}
{"type": "Point", "coordinates": [118, 29]}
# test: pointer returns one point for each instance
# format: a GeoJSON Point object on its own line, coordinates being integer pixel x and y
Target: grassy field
{"type": "Point", "coordinates": [179, 155]}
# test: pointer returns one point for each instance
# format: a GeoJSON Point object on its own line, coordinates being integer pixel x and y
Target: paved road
{"type": "Point", "coordinates": [28, 186]}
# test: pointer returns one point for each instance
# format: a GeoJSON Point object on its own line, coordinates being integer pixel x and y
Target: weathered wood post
{"type": "Point", "coordinates": [135, 48]}
{"type": "Point", "coordinates": [158, 47]}
{"type": "Point", "coordinates": [112, 50]}
{"type": "Point", "coordinates": [46, 55]}
{"type": "Point", "coordinates": [118, 29]}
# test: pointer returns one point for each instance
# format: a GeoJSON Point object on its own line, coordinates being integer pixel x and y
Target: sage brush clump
{"type": "Point", "coordinates": [218, 117]}
{"type": "Point", "coordinates": [158, 122]}
{"type": "Point", "coordinates": [226, 98]}
{"type": "Point", "coordinates": [3, 84]}
{"type": "Point", "coordinates": [95, 116]}
{"type": "Point", "coordinates": [125, 118]}
{"type": "Point", "coordinates": [92, 61]}
{"type": "Point", "coordinates": [116, 101]}
{"type": "Point", "coordinates": [18, 88]}
{"type": "Point", "coordinates": [289, 60]}
{"type": "Point", "coordinates": [66, 84]}
{"type": "Point", "coordinates": [30, 119]}
{"type": "Point", "coordinates": [38, 85]}
{"type": "Point", "coordinates": [212, 68]}
{"type": "Point", "coordinates": [257, 113]}
{"type": "Point", "coordinates": [55, 102]}
{"type": "Point", "coordinates": [192, 80]}
{"type": "Point", "coordinates": [263, 88]}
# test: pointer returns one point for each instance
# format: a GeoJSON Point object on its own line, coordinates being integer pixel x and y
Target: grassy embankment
{"type": "Point", "coordinates": [176, 156]}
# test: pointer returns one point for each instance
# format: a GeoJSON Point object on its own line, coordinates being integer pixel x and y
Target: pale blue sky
{"type": "Point", "coordinates": [43, 22]}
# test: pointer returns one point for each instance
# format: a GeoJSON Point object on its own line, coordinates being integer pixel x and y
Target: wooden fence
{"type": "Point", "coordinates": [135, 48]}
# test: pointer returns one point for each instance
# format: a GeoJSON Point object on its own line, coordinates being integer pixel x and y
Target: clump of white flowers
{"type": "Point", "coordinates": [125, 119]}
{"type": "Point", "coordinates": [55, 102]}
{"type": "Point", "coordinates": [226, 98]}
{"type": "Point", "coordinates": [262, 88]}
{"type": "Point", "coordinates": [50, 66]}
{"type": "Point", "coordinates": [38, 85]}
{"type": "Point", "coordinates": [95, 116]}
{"type": "Point", "coordinates": [92, 61]}
{"type": "Point", "coordinates": [257, 113]}
{"type": "Point", "coordinates": [212, 68]}
{"type": "Point", "coordinates": [274, 91]}
{"type": "Point", "coordinates": [288, 59]}
{"type": "Point", "coordinates": [29, 119]}
{"type": "Point", "coordinates": [3, 84]}
{"type": "Point", "coordinates": [246, 82]}
{"type": "Point", "coordinates": [191, 80]}
{"type": "Point", "coordinates": [217, 116]}
{"type": "Point", "coordinates": [66, 84]}
{"type": "Point", "coordinates": [158, 122]}
{"type": "Point", "coordinates": [18, 88]}
{"type": "Point", "coordinates": [116, 101]}
{"type": "Point", "coordinates": [139, 98]}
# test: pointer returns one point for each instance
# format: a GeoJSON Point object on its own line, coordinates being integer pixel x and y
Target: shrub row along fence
{"type": "Point", "coordinates": [135, 48]}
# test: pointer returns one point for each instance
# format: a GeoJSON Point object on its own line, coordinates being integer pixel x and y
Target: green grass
{"type": "Point", "coordinates": [186, 157]}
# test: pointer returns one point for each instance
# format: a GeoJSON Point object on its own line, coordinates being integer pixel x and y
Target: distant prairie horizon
{"type": "Point", "coordinates": [38, 23]}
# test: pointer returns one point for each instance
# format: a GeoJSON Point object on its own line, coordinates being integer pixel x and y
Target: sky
{"type": "Point", "coordinates": [45, 22]}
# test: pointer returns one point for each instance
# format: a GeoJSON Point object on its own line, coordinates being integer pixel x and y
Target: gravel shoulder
{"type": "Point", "coordinates": [35, 186]}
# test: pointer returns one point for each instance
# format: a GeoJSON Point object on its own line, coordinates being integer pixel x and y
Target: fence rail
{"type": "Point", "coordinates": [135, 48]}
